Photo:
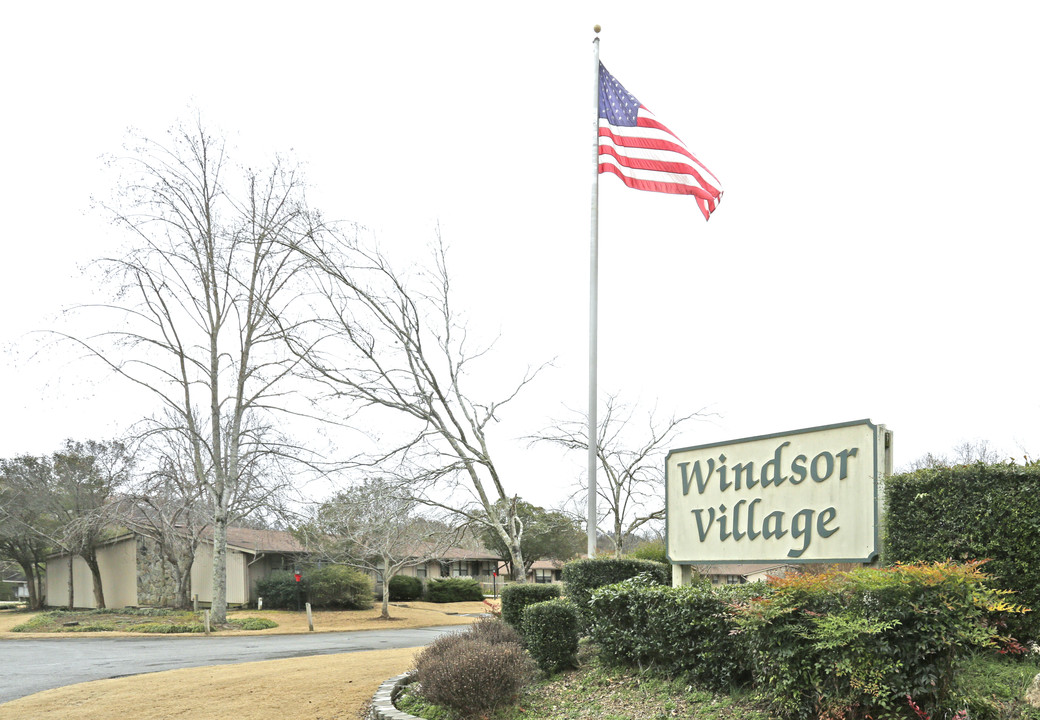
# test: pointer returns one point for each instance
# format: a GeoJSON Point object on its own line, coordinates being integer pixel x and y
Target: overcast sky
{"type": "Point", "coordinates": [874, 255]}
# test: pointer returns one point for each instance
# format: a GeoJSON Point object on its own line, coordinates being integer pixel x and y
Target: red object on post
{"type": "Point", "coordinates": [297, 576]}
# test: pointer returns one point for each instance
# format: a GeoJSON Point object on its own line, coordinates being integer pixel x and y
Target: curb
{"type": "Point", "coordinates": [383, 701]}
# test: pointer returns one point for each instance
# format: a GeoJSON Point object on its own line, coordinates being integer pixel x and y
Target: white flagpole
{"type": "Point", "coordinates": [593, 303]}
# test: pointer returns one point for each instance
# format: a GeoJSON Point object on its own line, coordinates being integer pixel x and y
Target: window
{"type": "Point", "coordinates": [420, 572]}
{"type": "Point", "coordinates": [543, 576]}
{"type": "Point", "coordinates": [460, 569]}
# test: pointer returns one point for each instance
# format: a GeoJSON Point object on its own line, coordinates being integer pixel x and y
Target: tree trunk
{"type": "Point", "coordinates": [183, 578]}
{"type": "Point", "coordinates": [516, 561]}
{"type": "Point", "coordinates": [218, 606]}
{"type": "Point", "coordinates": [41, 594]}
{"type": "Point", "coordinates": [90, 557]}
{"type": "Point", "coordinates": [30, 577]}
{"type": "Point", "coordinates": [71, 584]}
{"type": "Point", "coordinates": [385, 614]}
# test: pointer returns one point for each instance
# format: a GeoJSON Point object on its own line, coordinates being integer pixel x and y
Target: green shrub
{"type": "Point", "coordinates": [551, 634]}
{"type": "Point", "coordinates": [866, 639]}
{"type": "Point", "coordinates": [517, 596]}
{"type": "Point", "coordinates": [167, 628]}
{"type": "Point", "coordinates": [471, 676]}
{"type": "Point", "coordinates": [584, 576]}
{"type": "Point", "coordinates": [405, 587]}
{"type": "Point", "coordinates": [279, 590]}
{"type": "Point", "coordinates": [972, 512]}
{"type": "Point", "coordinates": [254, 624]}
{"type": "Point", "coordinates": [690, 629]}
{"type": "Point", "coordinates": [338, 586]}
{"type": "Point", "coordinates": [653, 551]}
{"type": "Point", "coordinates": [454, 589]}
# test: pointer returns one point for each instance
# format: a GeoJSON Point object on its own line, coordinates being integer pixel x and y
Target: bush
{"type": "Point", "coordinates": [972, 512]}
{"type": "Point", "coordinates": [254, 624]}
{"type": "Point", "coordinates": [517, 596]}
{"type": "Point", "coordinates": [405, 587]}
{"type": "Point", "coordinates": [278, 590]}
{"type": "Point", "coordinates": [690, 629]}
{"type": "Point", "coordinates": [494, 631]}
{"type": "Point", "coordinates": [653, 551]}
{"type": "Point", "coordinates": [584, 576]}
{"type": "Point", "coordinates": [865, 640]}
{"type": "Point", "coordinates": [338, 586]}
{"type": "Point", "coordinates": [471, 676]}
{"type": "Point", "coordinates": [551, 634]}
{"type": "Point", "coordinates": [455, 589]}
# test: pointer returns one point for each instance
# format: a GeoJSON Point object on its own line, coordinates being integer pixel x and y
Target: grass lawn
{"type": "Point", "coordinates": [402, 615]}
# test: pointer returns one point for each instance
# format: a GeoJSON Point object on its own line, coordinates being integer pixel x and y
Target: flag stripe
{"type": "Point", "coordinates": [665, 162]}
{"type": "Point", "coordinates": [681, 184]}
{"type": "Point", "coordinates": [705, 202]}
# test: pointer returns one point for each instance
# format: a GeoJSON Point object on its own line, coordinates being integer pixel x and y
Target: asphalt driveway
{"type": "Point", "coordinates": [32, 665]}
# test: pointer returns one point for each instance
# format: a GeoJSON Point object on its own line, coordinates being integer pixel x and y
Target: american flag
{"type": "Point", "coordinates": [645, 154]}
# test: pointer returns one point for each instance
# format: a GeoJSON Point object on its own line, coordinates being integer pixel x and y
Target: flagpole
{"type": "Point", "coordinates": [593, 303]}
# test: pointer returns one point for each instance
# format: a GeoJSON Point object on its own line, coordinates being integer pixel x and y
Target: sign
{"type": "Point", "coordinates": [798, 497]}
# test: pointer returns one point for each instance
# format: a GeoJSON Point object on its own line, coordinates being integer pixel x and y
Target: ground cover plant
{"type": "Point", "coordinates": [141, 620]}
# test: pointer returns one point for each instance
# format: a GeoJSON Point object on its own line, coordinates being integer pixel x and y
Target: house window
{"type": "Point", "coordinates": [460, 569]}
{"type": "Point", "coordinates": [543, 576]}
{"type": "Point", "coordinates": [420, 572]}
{"type": "Point", "coordinates": [734, 580]}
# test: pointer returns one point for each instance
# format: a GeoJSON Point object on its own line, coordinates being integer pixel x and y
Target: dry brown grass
{"type": "Point", "coordinates": [327, 687]}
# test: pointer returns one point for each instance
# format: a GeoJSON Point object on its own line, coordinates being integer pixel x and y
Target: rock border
{"type": "Point", "coordinates": [383, 701]}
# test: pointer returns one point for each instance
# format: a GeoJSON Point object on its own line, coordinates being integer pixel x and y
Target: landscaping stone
{"type": "Point", "coordinates": [1033, 693]}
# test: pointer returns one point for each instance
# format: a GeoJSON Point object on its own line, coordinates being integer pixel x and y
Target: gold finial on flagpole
{"type": "Point", "coordinates": [596, 29]}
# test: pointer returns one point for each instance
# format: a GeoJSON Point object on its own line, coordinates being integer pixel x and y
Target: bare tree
{"type": "Point", "coordinates": [209, 271]}
{"type": "Point", "coordinates": [384, 342]}
{"type": "Point", "coordinates": [375, 526]}
{"type": "Point", "coordinates": [965, 453]}
{"type": "Point", "coordinates": [632, 462]}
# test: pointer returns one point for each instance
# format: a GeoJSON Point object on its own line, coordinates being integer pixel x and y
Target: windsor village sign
{"type": "Point", "coordinates": [804, 496]}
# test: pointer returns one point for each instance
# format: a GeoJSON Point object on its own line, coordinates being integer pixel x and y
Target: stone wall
{"type": "Point", "coordinates": [156, 578]}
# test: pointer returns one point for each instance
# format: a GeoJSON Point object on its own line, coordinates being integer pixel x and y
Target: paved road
{"type": "Point", "coordinates": [32, 665]}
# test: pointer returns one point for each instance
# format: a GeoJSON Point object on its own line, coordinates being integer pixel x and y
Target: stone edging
{"type": "Point", "coordinates": [383, 701]}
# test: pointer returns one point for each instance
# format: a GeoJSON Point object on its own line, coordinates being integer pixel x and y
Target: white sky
{"type": "Point", "coordinates": [874, 255]}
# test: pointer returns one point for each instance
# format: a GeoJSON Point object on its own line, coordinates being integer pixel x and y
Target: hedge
{"type": "Point", "coordinates": [279, 590]}
{"type": "Point", "coordinates": [690, 629]}
{"type": "Point", "coordinates": [405, 587]}
{"type": "Point", "coordinates": [331, 586]}
{"type": "Point", "coordinates": [338, 586]}
{"type": "Point", "coordinates": [454, 589]}
{"type": "Point", "coordinates": [581, 577]}
{"type": "Point", "coordinates": [972, 512]}
{"type": "Point", "coordinates": [517, 596]}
